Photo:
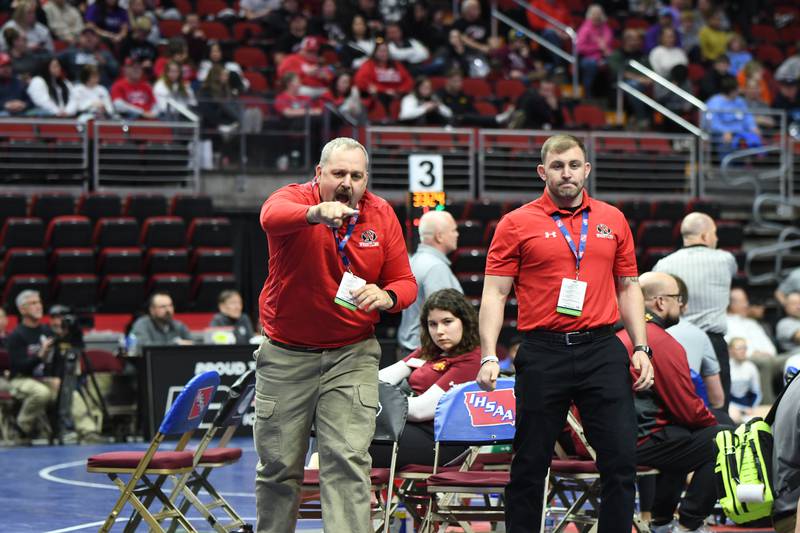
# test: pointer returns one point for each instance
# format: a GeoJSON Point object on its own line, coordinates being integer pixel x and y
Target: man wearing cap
{"type": "Point", "coordinates": [13, 93]}
{"type": "Point", "coordinates": [315, 77]}
{"type": "Point", "coordinates": [131, 95]}
{"type": "Point", "coordinates": [336, 258]}
{"type": "Point", "coordinates": [137, 45]}
{"type": "Point", "coordinates": [88, 52]}
{"type": "Point", "coordinates": [571, 261]}
{"type": "Point", "coordinates": [63, 19]}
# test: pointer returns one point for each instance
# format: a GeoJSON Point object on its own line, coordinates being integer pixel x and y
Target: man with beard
{"type": "Point", "coordinates": [159, 327]}
{"type": "Point", "coordinates": [675, 429]}
{"type": "Point", "coordinates": [570, 259]}
{"type": "Point", "coordinates": [336, 258]}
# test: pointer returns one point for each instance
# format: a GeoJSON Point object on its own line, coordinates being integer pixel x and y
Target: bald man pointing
{"type": "Point", "coordinates": [438, 235]}
{"type": "Point", "coordinates": [707, 273]}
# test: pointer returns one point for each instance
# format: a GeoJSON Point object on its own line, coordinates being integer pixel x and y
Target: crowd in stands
{"type": "Point", "coordinates": [397, 61]}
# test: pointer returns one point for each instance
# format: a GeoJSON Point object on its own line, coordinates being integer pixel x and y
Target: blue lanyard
{"type": "Point", "coordinates": [340, 243]}
{"type": "Point", "coordinates": [582, 245]}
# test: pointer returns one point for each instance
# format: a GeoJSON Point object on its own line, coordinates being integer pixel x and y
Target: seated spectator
{"type": "Point", "coordinates": [789, 70]}
{"type": "Point", "coordinates": [449, 355]}
{"type": "Point", "coordinates": [539, 108]}
{"type": "Point", "coordinates": [699, 353]}
{"type": "Point", "coordinates": [131, 95]}
{"type": "Point", "coordinates": [382, 77]}
{"type": "Point", "coordinates": [676, 430]}
{"type": "Point", "coordinates": [632, 50]}
{"type": "Point", "coordinates": [290, 41]}
{"type": "Point", "coordinates": [291, 103]}
{"type": "Point", "coordinates": [64, 20]}
{"type": "Point", "coordinates": [728, 119]}
{"type": "Point", "coordinates": [517, 61]}
{"type": "Point", "coordinates": [737, 54]}
{"type": "Point", "coordinates": [679, 75]}
{"type": "Point", "coordinates": [137, 46]}
{"type": "Point", "coordinates": [87, 51]}
{"type": "Point", "coordinates": [108, 19]}
{"type": "Point", "coordinates": [171, 86]}
{"type": "Point", "coordinates": [347, 99]}
{"type": "Point", "coordinates": [216, 57]}
{"type": "Point", "coordinates": [37, 36]}
{"type": "Point", "coordinates": [473, 28]}
{"type": "Point", "coordinates": [230, 316]}
{"type": "Point", "coordinates": [788, 99]}
{"type": "Point", "coordinates": [462, 105]}
{"type": "Point", "coordinates": [421, 107]}
{"type": "Point", "coordinates": [159, 326]}
{"type": "Point", "coordinates": [554, 9]}
{"type": "Point", "coordinates": [754, 71]}
{"type": "Point", "coordinates": [177, 51]}
{"type": "Point", "coordinates": [257, 10]}
{"type": "Point", "coordinates": [711, 82]}
{"type": "Point", "coordinates": [24, 63]}
{"type": "Point", "coordinates": [91, 97]}
{"type": "Point", "coordinates": [594, 45]}
{"type": "Point", "coordinates": [667, 55]}
{"type": "Point", "coordinates": [652, 37]}
{"type": "Point", "coordinates": [330, 25]}
{"type": "Point", "coordinates": [221, 112]}
{"type": "Point", "coordinates": [753, 97]}
{"type": "Point", "coordinates": [745, 382]}
{"type": "Point", "coordinates": [410, 51]}
{"type": "Point", "coordinates": [787, 330]}
{"type": "Point", "coordinates": [786, 460]}
{"type": "Point", "coordinates": [195, 38]}
{"type": "Point", "coordinates": [790, 284]}
{"type": "Point", "coordinates": [51, 92]}
{"type": "Point", "coordinates": [425, 24]}
{"type": "Point", "coordinates": [138, 9]}
{"type": "Point", "coordinates": [36, 354]}
{"type": "Point", "coordinates": [372, 15]}
{"type": "Point", "coordinates": [689, 30]}
{"type": "Point", "coordinates": [310, 68]}
{"type": "Point", "coordinates": [14, 99]}
{"type": "Point", "coordinates": [360, 44]}
{"type": "Point", "coordinates": [741, 324]}
{"type": "Point", "coordinates": [713, 38]}
{"type": "Point", "coordinates": [278, 19]}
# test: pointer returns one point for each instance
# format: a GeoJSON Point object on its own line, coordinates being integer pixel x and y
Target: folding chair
{"type": "Point", "coordinates": [389, 425]}
{"type": "Point", "coordinates": [468, 415]}
{"type": "Point", "coordinates": [182, 419]}
{"type": "Point", "coordinates": [228, 419]}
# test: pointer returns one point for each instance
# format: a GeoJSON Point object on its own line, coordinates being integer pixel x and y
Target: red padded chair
{"type": "Point", "coordinates": [68, 231]}
{"type": "Point", "coordinates": [250, 57]}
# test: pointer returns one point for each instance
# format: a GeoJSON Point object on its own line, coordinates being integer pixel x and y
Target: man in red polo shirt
{"type": "Point", "coordinates": [336, 258]}
{"type": "Point", "coordinates": [570, 259]}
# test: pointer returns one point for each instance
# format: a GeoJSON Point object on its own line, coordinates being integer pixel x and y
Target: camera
{"type": "Point", "coordinates": [72, 324]}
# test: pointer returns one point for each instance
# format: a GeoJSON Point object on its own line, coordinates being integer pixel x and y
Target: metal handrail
{"type": "Point", "coordinates": [755, 181]}
{"type": "Point", "coordinates": [664, 82]}
{"type": "Point", "coordinates": [784, 205]}
{"type": "Point", "coordinates": [541, 41]}
{"type": "Point", "coordinates": [779, 249]}
{"type": "Point", "coordinates": [183, 109]}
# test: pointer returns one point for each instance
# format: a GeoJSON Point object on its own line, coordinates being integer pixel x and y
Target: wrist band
{"type": "Point", "coordinates": [487, 358]}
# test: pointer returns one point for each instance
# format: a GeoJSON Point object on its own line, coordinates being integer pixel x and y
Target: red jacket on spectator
{"type": "Point", "coordinates": [556, 10]}
{"type": "Point", "coordinates": [309, 70]}
{"type": "Point", "coordinates": [394, 77]}
{"type": "Point", "coordinates": [139, 94]}
{"type": "Point", "coordinates": [286, 101]}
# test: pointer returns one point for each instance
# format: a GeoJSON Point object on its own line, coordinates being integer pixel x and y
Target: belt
{"type": "Point", "coordinates": [571, 338]}
{"type": "Point", "coordinates": [305, 349]}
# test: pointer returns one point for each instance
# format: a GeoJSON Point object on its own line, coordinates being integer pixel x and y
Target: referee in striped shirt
{"type": "Point", "coordinates": [707, 273]}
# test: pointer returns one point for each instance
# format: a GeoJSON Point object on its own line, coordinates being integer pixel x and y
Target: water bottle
{"type": "Point", "coordinates": [294, 159]}
{"type": "Point", "coordinates": [131, 345]}
{"type": "Point", "coordinates": [402, 523]}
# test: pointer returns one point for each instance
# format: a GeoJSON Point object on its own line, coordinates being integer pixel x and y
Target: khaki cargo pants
{"type": "Point", "coordinates": [337, 391]}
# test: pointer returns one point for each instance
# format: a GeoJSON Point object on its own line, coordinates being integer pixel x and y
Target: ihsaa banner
{"type": "Point", "coordinates": [467, 414]}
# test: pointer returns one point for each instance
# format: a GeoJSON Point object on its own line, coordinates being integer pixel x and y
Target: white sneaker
{"type": "Point", "coordinates": [670, 527]}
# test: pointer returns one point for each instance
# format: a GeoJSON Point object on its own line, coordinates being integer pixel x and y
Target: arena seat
{"type": "Point", "coordinates": [469, 260]}
{"type": "Point", "coordinates": [142, 206]}
{"type": "Point", "coordinates": [483, 210]}
{"type": "Point", "coordinates": [477, 88]}
{"type": "Point", "coordinates": [470, 232]}
{"type": "Point", "coordinates": [21, 282]}
{"type": "Point", "coordinates": [206, 289]}
{"type": "Point", "coordinates": [215, 30]}
{"type": "Point", "coordinates": [636, 210]}
{"type": "Point", "coordinates": [243, 31]}
{"type": "Point", "coordinates": [122, 293]}
{"type": "Point", "coordinates": [655, 233]}
{"type": "Point", "coordinates": [210, 8]}
{"type": "Point", "coordinates": [211, 260]}
{"type": "Point", "coordinates": [170, 28]}
{"type": "Point", "coordinates": [472, 284]}
{"type": "Point", "coordinates": [25, 232]}
{"type": "Point", "coordinates": [96, 205]}
{"type": "Point", "coordinates": [24, 261]}
{"type": "Point", "coordinates": [78, 291]}
{"type": "Point", "coordinates": [119, 260]}
{"type": "Point", "coordinates": [71, 261]}
{"type": "Point", "coordinates": [589, 116]}
{"type": "Point", "coordinates": [258, 83]}
{"type": "Point", "coordinates": [118, 231]}
{"type": "Point", "coordinates": [250, 57]}
{"type": "Point", "coordinates": [730, 234]}
{"type": "Point", "coordinates": [650, 256]}
{"type": "Point", "coordinates": [163, 232]}
{"type": "Point", "coordinates": [177, 285]}
{"type": "Point", "coordinates": [12, 205]}
{"type": "Point", "coordinates": [166, 261]}
{"type": "Point", "coordinates": [68, 231]}
{"type": "Point", "coordinates": [703, 205]}
{"type": "Point", "coordinates": [189, 206]}
{"type": "Point", "coordinates": [672, 210]}
{"type": "Point", "coordinates": [48, 205]}
{"type": "Point", "coordinates": [509, 90]}
{"type": "Point", "coordinates": [213, 232]}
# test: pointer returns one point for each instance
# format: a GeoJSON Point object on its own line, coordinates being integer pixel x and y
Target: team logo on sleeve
{"type": "Point", "coordinates": [604, 232]}
{"type": "Point", "coordinates": [494, 408]}
{"type": "Point", "coordinates": [369, 239]}
{"type": "Point", "coordinates": [440, 366]}
{"type": "Point", "coordinates": [201, 401]}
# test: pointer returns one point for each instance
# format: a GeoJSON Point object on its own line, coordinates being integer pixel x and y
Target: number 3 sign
{"type": "Point", "coordinates": [425, 173]}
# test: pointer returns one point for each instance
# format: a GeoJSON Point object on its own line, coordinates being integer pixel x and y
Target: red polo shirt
{"type": "Point", "coordinates": [444, 371]}
{"type": "Point", "coordinates": [529, 247]}
{"type": "Point", "coordinates": [305, 269]}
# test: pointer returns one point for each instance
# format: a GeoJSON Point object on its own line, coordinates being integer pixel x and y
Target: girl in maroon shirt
{"type": "Point", "coordinates": [449, 355]}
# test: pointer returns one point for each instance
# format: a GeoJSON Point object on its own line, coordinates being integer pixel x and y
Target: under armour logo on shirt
{"type": "Point", "coordinates": [549, 234]}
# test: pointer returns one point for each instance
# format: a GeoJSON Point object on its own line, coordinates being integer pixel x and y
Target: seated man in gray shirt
{"type": "Point", "coordinates": [788, 329]}
{"type": "Point", "coordinates": [789, 285]}
{"type": "Point", "coordinates": [159, 327]}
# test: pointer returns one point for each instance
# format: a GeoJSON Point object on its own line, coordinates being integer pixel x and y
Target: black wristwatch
{"type": "Point", "coordinates": [644, 348]}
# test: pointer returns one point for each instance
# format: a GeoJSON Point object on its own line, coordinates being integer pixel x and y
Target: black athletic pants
{"type": "Point", "coordinates": [721, 349]}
